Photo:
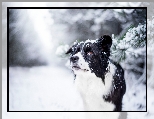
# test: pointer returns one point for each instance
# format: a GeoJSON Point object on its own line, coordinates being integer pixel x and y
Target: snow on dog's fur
{"type": "Point", "coordinates": [99, 80]}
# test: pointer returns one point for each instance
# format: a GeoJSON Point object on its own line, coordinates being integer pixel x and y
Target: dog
{"type": "Point", "coordinates": [99, 79]}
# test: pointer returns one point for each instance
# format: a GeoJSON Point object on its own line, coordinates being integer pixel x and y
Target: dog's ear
{"type": "Point", "coordinates": [69, 51]}
{"type": "Point", "coordinates": [72, 49]}
{"type": "Point", "coordinates": [104, 42]}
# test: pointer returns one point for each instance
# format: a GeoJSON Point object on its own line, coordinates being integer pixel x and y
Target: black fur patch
{"type": "Point", "coordinates": [119, 88]}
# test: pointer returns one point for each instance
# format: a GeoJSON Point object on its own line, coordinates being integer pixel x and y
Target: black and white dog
{"type": "Point", "coordinates": [99, 80]}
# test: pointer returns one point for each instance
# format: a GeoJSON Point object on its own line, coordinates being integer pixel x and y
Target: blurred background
{"type": "Point", "coordinates": [39, 77]}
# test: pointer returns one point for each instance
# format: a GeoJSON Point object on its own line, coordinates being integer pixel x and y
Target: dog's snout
{"type": "Point", "coordinates": [74, 59]}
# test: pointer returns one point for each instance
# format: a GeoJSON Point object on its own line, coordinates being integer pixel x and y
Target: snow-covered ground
{"type": "Point", "coordinates": [42, 88]}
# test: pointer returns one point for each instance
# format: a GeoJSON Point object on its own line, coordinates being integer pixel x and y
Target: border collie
{"type": "Point", "coordinates": [99, 80]}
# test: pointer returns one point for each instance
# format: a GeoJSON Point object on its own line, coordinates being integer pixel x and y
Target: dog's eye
{"type": "Point", "coordinates": [89, 51]}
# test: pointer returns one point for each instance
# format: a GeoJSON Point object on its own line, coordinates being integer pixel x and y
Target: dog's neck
{"type": "Point", "coordinates": [92, 89]}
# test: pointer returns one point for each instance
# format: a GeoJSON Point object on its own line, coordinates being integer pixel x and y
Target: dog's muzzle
{"type": "Point", "coordinates": [74, 59]}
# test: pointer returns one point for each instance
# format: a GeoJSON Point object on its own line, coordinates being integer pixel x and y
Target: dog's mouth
{"type": "Point", "coordinates": [75, 67]}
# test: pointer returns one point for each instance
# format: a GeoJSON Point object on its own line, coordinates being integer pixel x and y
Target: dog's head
{"type": "Point", "coordinates": [91, 56]}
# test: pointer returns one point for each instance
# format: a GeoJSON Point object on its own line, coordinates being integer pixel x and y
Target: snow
{"type": "Point", "coordinates": [42, 89]}
{"type": "Point", "coordinates": [135, 97]}
{"type": "Point", "coordinates": [61, 50]}
{"type": "Point", "coordinates": [90, 41]}
{"type": "Point", "coordinates": [128, 11]}
{"type": "Point", "coordinates": [123, 45]}
{"type": "Point", "coordinates": [150, 110]}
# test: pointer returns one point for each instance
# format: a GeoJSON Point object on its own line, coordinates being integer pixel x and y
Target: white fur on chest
{"type": "Point", "coordinates": [92, 89]}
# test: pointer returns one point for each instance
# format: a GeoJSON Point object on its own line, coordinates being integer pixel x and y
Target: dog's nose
{"type": "Point", "coordinates": [74, 59]}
